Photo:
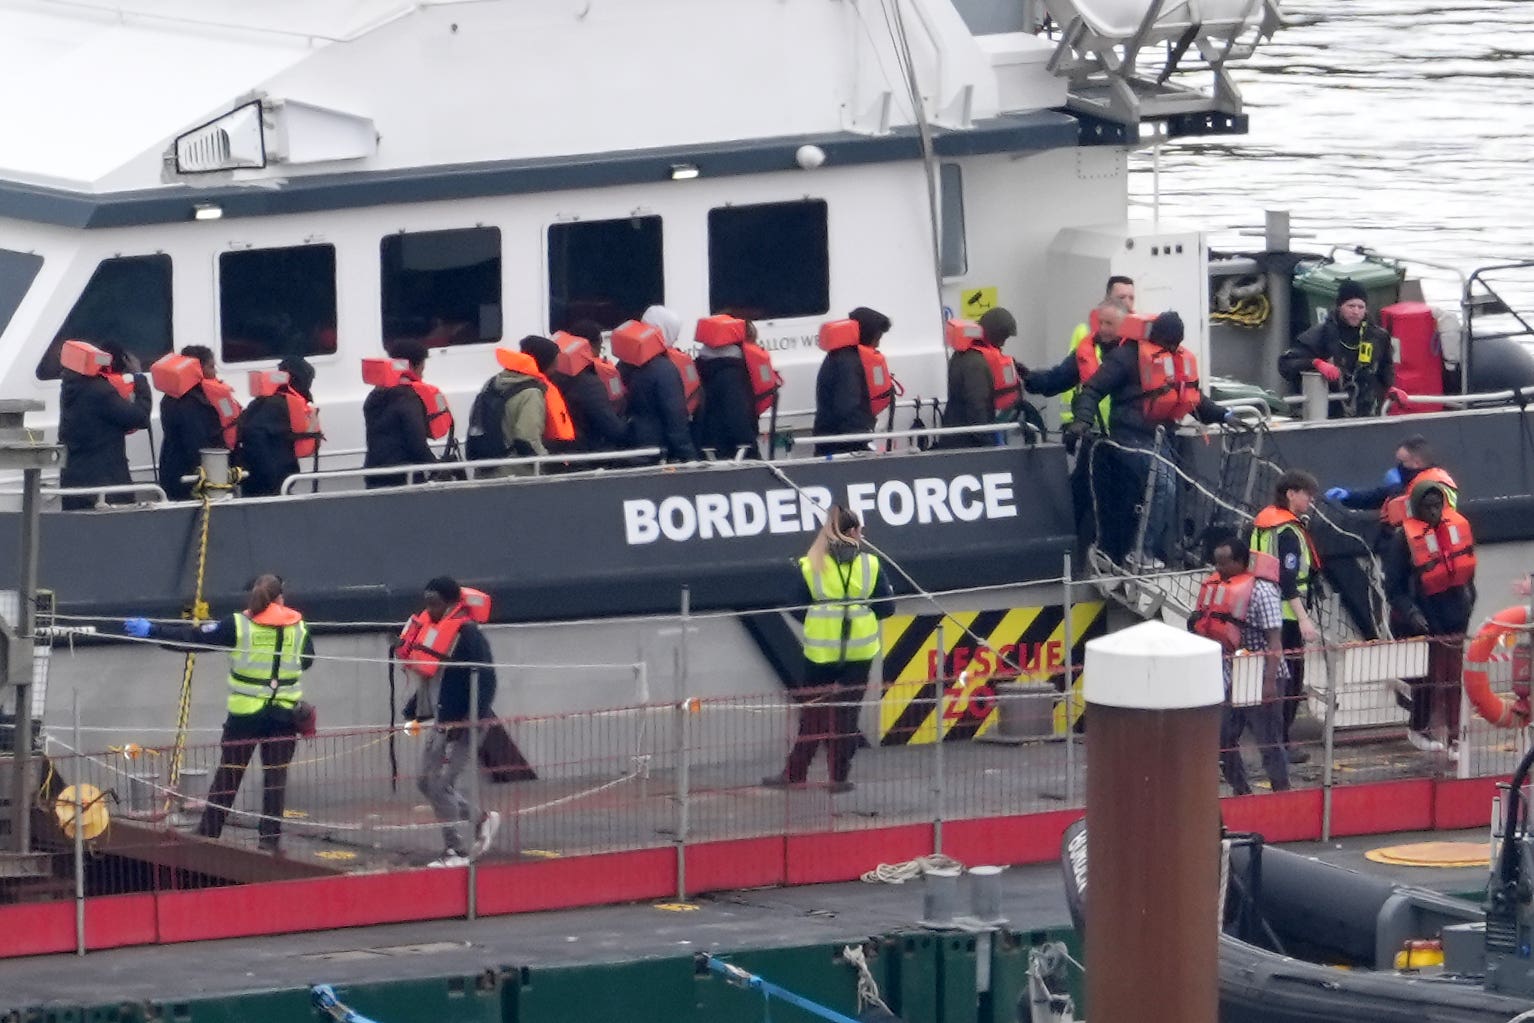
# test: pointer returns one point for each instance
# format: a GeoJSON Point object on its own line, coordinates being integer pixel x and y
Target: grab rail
{"type": "Point", "coordinates": [156, 492]}
{"type": "Point", "coordinates": [930, 431]}
{"type": "Point", "coordinates": [410, 471]}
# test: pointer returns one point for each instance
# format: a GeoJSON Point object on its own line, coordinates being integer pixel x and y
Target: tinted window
{"type": "Point", "coordinates": [126, 302]}
{"type": "Point", "coordinates": [770, 261]}
{"type": "Point", "coordinates": [955, 251]}
{"type": "Point", "coordinates": [17, 271]}
{"type": "Point", "coordinates": [442, 287]}
{"type": "Point", "coordinates": [277, 302]}
{"type": "Point", "coordinates": [604, 270]}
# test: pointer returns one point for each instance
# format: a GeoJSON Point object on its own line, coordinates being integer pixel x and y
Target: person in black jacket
{"type": "Point", "coordinates": [265, 437]}
{"type": "Point", "coordinates": [598, 426]}
{"type": "Point", "coordinates": [394, 420]}
{"type": "Point", "coordinates": [446, 697]}
{"type": "Point", "coordinates": [94, 423]}
{"type": "Point", "coordinates": [1121, 483]}
{"type": "Point", "coordinates": [1352, 354]}
{"type": "Point", "coordinates": [842, 402]}
{"type": "Point", "coordinates": [1413, 457]}
{"type": "Point", "coordinates": [971, 385]}
{"type": "Point", "coordinates": [727, 421]}
{"type": "Point", "coordinates": [188, 424]}
{"type": "Point", "coordinates": [657, 406]}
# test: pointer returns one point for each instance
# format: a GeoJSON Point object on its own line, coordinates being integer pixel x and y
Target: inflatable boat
{"type": "Point", "coordinates": [1306, 941]}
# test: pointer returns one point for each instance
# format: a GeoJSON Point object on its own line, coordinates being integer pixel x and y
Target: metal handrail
{"type": "Point", "coordinates": [931, 431]}
{"type": "Point", "coordinates": [916, 406]}
{"type": "Point", "coordinates": [156, 492]}
{"type": "Point", "coordinates": [410, 471]}
{"type": "Point", "coordinates": [1523, 393]}
{"type": "Point", "coordinates": [1258, 405]}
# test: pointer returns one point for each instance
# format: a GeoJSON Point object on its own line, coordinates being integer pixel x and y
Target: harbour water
{"type": "Point", "coordinates": [1400, 124]}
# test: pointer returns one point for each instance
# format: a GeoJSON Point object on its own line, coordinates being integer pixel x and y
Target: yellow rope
{"type": "Point", "coordinates": [198, 612]}
{"type": "Point", "coordinates": [1249, 312]}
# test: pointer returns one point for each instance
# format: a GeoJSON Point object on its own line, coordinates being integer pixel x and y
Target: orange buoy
{"type": "Point", "coordinates": [1502, 711]}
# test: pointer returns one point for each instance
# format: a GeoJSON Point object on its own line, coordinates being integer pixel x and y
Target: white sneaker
{"type": "Point", "coordinates": [489, 824]}
{"type": "Point", "coordinates": [1422, 742]}
{"type": "Point", "coordinates": [450, 859]}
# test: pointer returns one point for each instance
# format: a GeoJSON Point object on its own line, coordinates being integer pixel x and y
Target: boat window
{"type": "Point", "coordinates": [769, 261]}
{"type": "Point", "coordinates": [604, 270]}
{"type": "Point", "coordinates": [17, 272]}
{"type": "Point", "coordinates": [274, 303]}
{"type": "Point", "coordinates": [126, 302]}
{"type": "Point", "coordinates": [951, 241]}
{"type": "Point", "coordinates": [442, 287]}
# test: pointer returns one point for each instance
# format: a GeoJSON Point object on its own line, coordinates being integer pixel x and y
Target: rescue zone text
{"type": "Point", "coordinates": [924, 500]}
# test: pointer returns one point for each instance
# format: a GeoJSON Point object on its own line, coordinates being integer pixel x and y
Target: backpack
{"type": "Point", "coordinates": [486, 439]}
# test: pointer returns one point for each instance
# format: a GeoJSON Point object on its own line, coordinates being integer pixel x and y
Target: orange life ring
{"type": "Point", "coordinates": [1502, 711]}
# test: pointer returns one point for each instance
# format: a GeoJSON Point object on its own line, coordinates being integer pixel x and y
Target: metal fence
{"type": "Point", "coordinates": [661, 775]}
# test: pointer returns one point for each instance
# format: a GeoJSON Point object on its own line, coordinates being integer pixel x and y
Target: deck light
{"type": "Point", "coordinates": [207, 211]}
{"type": "Point", "coordinates": [683, 171]}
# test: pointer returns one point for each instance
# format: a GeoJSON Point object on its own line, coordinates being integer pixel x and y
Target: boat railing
{"type": "Point", "coordinates": [919, 432]}
{"type": "Point", "coordinates": [53, 495]}
{"type": "Point", "coordinates": [1519, 396]}
{"type": "Point", "coordinates": [431, 472]}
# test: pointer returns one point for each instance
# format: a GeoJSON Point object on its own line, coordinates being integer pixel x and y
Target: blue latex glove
{"type": "Point", "coordinates": [138, 627]}
{"type": "Point", "coordinates": [1393, 477]}
{"type": "Point", "coordinates": [1338, 494]}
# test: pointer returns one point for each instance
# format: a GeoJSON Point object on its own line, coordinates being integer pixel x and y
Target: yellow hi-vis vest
{"type": "Point", "coordinates": [1266, 541]}
{"type": "Point", "coordinates": [262, 671]}
{"type": "Point", "coordinates": [840, 626]}
{"type": "Point", "coordinates": [1067, 397]}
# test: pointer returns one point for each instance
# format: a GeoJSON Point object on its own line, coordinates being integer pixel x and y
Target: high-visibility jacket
{"type": "Point", "coordinates": [1442, 557]}
{"type": "Point", "coordinates": [840, 625]}
{"type": "Point", "coordinates": [267, 660]}
{"type": "Point", "coordinates": [1269, 524]}
{"type": "Point", "coordinates": [1088, 360]}
{"type": "Point", "coordinates": [1393, 511]}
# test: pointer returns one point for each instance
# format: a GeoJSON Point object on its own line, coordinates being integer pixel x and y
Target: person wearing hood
{"type": "Point", "coordinates": [1414, 459]}
{"type": "Point", "coordinates": [512, 407]}
{"type": "Point", "coordinates": [394, 420]}
{"type": "Point", "coordinates": [598, 426]}
{"type": "Point", "coordinates": [1152, 385]}
{"type": "Point", "coordinates": [844, 593]}
{"type": "Point", "coordinates": [1430, 582]}
{"type": "Point", "coordinates": [972, 386]}
{"type": "Point", "coordinates": [188, 424]}
{"type": "Point", "coordinates": [842, 402]}
{"type": "Point", "coordinates": [1352, 354]}
{"type": "Point", "coordinates": [657, 399]}
{"type": "Point", "coordinates": [265, 440]}
{"type": "Point", "coordinates": [727, 422]}
{"type": "Point", "coordinates": [94, 423]}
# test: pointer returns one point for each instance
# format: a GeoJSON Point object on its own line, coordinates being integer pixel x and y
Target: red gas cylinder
{"type": "Point", "coordinates": [1419, 359]}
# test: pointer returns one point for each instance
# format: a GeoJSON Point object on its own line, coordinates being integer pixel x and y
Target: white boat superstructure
{"type": "Point", "coordinates": [323, 178]}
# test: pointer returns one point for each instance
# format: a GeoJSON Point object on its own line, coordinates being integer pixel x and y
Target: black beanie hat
{"type": "Point", "coordinates": [1166, 330]}
{"type": "Point", "coordinates": [998, 325]}
{"type": "Point", "coordinates": [543, 351]}
{"type": "Point", "coordinates": [872, 324]}
{"type": "Point", "coordinates": [445, 587]}
{"type": "Point", "coordinates": [1349, 290]}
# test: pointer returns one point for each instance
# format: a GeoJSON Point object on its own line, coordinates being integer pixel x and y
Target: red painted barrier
{"type": "Point", "coordinates": [364, 899]}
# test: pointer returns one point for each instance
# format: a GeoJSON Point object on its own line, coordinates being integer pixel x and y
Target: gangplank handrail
{"type": "Point", "coordinates": [410, 471]}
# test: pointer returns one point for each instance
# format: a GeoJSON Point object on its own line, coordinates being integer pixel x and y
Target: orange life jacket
{"type": "Point", "coordinates": [1393, 511]}
{"type": "Point", "coordinates": [1270, 518]}
{"type": "Point", "coordinates": [175, 375]}
{"type": "Point", "coordinates": [1087, 359]}
{"type": "Point", "coordinates": [424, 644]}
{"type": "Point", "coordinates": [303, 416]}
{"type": "Point", "coordinates": [439, 418]}
{"type": "Point", "coordinates": [1168, 382]}
{"type": "Point", "coordinates": [557, 424]}
{"type": "Point", "coordinates": [86, 359]}
{"type": "Point", "coordinates": [883, 388]}
{"type": "Point", "coordinates": [1223, 604]}
{"type": "Point", "coordinates": [963, 336]}
{"type": "Point", "coordinates": [692, 384]}
{"type": "Point", "coordinates": [221, 396]}
{"type": "Point", "coordinates": [1442, 557]}
{"type": "Point", "coordinates": [765, 381]}
{"type": "Point", "coordinates": [575, 356]}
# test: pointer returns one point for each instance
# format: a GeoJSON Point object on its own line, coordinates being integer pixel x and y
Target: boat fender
{"type": "Point", "coordinates": [1503, 637]}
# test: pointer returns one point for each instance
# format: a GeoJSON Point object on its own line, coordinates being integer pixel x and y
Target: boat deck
{"type": "Point", "coordinates": [1033, 898]}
